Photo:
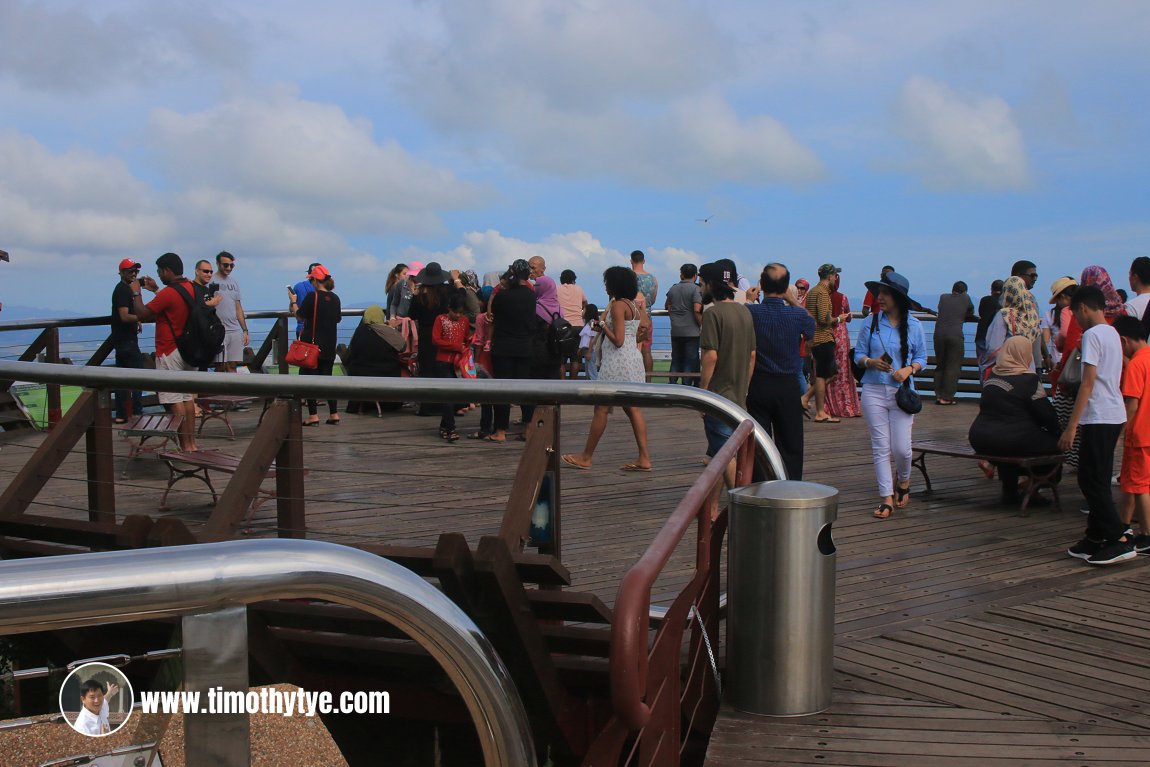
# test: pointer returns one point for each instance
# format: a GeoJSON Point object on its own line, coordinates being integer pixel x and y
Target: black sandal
{"type": "Point", "coordinates": [900, 494]}
{"type": "Point", "coordinates": [884, 511]}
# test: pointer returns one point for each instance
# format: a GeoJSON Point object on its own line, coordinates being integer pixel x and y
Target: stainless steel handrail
{"type": "Point", "coordinates": [496, 392]}
{"type": "Point", "coordinates": [124, 586]}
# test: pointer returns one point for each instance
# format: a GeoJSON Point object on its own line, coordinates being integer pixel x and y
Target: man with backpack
{"type": "Point", "coordinates": [188, 333]}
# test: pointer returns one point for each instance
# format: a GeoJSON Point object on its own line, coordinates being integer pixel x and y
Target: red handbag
{"type": "Point", "coordinates": [302, 353]}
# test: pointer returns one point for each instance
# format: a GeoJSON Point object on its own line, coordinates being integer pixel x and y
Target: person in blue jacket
{"type": "Point", "coordinates": [892, 349]}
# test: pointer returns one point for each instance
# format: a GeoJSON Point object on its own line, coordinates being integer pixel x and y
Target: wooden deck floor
{"type": "Point", "coordinates": [964, 633]}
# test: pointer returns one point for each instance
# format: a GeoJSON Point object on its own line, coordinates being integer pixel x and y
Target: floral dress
{"type": "Point", "coordinates": [622, 364]}
{"type": "Point", "coordinates": [842, 390]}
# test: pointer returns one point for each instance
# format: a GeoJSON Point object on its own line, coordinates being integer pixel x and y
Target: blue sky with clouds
{"type": "Point", "coordinates": [946, 139]}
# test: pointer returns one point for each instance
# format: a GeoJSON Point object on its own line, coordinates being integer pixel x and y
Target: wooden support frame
{"type": "Point", "coordinates": [540, 457]}
{"type": "Point", "coordinates": [243, 488]}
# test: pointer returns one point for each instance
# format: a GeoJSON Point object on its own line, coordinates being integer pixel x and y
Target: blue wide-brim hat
{"type": "Point", "coordinates": [896, 283]}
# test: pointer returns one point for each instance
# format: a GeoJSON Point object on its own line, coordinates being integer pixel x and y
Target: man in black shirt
{"type": "Point", "coordinates": [125, 337]}
{"type": "Point", "coordinates": [988, 306]}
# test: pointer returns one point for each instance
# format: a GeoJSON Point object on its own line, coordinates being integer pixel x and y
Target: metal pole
{"type": "Point", "coordinates": [124, 586]}
{"type": "Point", "coordinates": [215, 656]}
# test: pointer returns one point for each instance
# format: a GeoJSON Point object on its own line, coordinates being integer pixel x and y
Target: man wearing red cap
{"type": "Point", "coordinates": [125, 337]}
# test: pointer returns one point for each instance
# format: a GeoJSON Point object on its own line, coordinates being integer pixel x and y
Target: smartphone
{"type": "Point", "coordinates": [290, 288]}
{"type": "Point", "coordinates": [887, 358]}
{"type": "Point", "coordinates": [212, 289]}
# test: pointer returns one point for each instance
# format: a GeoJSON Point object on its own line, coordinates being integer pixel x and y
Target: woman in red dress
{"type": "Point", "coordinates": [842, 391]}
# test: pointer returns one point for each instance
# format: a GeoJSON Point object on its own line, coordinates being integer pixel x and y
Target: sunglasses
{"type": "Point", "coordinates": [227, 264]}
{"type": "Point", "coordinates": [205, 271]}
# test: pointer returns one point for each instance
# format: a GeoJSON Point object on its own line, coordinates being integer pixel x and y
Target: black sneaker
{"type": "Point", "coordinates": [1142, 544]}
{"type": "Point", "coordinates": [1086, 548]}
{"type": "Point", "coordinates": [1114, 552]}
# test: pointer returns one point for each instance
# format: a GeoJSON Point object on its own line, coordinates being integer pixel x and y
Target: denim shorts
{"type": "Point", "coordinates": [718, 432]}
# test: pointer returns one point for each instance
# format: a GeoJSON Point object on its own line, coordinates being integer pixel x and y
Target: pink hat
{"type": "Point", "coordinates": [319, 272]}
{"type": "Point", "coordinates": [414, 268]}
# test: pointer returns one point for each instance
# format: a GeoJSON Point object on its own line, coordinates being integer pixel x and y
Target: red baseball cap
{"type": "Point", "coordinates": [319, 272]}
{"type": "Point", "coordinates": [128, 263]}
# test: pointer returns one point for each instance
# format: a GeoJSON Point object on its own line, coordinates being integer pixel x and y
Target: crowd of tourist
{"type": "Point", "coordinates": [783, 351]}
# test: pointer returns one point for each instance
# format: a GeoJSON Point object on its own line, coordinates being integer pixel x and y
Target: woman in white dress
{"type": "Point", "coordinates": [622, 362]}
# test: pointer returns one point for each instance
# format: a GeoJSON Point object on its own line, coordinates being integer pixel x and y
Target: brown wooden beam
{"type": "Point", "coordinates": [291, 510]}
{"type": "Point", "coordinates": [34, 474]}
{"type": "Point", "coordinates": [244, 485]}
{"type": "Point", "coordinates": [533, 464]}
{"type": "Point", "coordinates": [99, 457]}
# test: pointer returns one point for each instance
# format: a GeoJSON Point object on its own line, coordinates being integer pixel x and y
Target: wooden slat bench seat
{"type": "Point", "coordinates": [163, 427]}
{"type": "Point", "coordinates": [1040, 470]}
{"type": "Point", "coordinates": [216, 407]}
{"type": "Point", "coordinates": [198, 464]}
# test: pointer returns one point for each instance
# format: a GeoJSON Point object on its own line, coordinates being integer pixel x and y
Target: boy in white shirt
{"type": "Point", "coordinates": [93, 718]}
{"type": "Point", "coordinates": [1098, 416]}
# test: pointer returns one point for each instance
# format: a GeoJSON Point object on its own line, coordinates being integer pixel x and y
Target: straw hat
{"type": "Point", "coordinates": [1061, 284]}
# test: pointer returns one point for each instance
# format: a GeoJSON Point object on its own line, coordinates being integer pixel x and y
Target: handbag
{"type": "Point", "coordinates": [301, 353]}
{"type": "Point", "coordinates": [1071, 377]}
{"type": "Point", "coordinates": [907, 399]}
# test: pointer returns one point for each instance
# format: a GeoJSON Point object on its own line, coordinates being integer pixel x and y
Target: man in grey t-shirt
{"type": "Point", "coordinates": [685, 307]}
{"type": "Point", "coordinates": [231, 313]}
{"type": "Point", "coordinates": [954, 309]}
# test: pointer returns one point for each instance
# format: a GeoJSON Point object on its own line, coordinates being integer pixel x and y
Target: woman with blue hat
{"type": "Point", "coordinates": [892, 349]}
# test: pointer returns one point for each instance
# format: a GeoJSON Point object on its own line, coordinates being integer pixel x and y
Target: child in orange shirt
{"type": "Point", "coordinates": [1134, 480]}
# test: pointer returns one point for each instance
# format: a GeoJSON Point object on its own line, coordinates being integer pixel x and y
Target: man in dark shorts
{"type": "Point", "coordinates": [823, 344]}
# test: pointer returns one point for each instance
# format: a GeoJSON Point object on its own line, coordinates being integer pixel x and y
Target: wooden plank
{"type": "Point", "coordinates": [33, 475]}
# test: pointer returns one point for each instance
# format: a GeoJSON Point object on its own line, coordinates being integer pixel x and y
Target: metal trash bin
{"type": "Point", "coordinates": [781, 598]}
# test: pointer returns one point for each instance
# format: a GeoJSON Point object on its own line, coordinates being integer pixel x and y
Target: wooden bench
{"type": "Point", "coordinates": [163, 427]}
{"type": "Point", "coordinates": [186, 465]}
{"type": "Point", "coordinates": [1040, 470]}
{"type": "Point", "coordinates": [218, 406]}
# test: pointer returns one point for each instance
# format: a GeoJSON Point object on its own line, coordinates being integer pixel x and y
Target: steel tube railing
{"type": "Point", "coordinates": [118, 587]}
{"type": "Point", "coordinates": [496, 392]}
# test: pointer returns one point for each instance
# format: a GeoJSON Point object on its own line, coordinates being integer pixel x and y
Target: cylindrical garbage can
{"type": "Point", "coordinates": [781, 598]}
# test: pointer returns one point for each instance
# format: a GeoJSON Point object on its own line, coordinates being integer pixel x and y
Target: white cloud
{"type": "Point", "coordinates": [625, 89]}
{"type": "Point", "coordinates": [73, 48]}
{"type": "Point", "coordinates": [579, 251]}
{"type": "Point", "coordinates": [74, 200]}
{"type": "Point", "coordinates": [962, 141]}
{"type": "Point", "coordinates": [312, 162]}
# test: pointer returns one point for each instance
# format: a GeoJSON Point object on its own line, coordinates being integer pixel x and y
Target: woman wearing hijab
{"type": "Point", "coordinates": [1072, 337]}
{"type": "Point", "coordinates": [1018, 317]}
{"type": "Point", "coordinates": [1015, 419]}
{"type": "Point", "coordinates": [842, 394]}
{"type": "Point", "coordinates": [892, 349]}
{"type": "Point", "coordinates": [374, 351]}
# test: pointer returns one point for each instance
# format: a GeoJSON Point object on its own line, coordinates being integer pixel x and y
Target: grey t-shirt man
{"type": "Point", "coordinates": [230, 294]}
{"type": "Point", "coordinates": [681, 300]}
{"type": "Point", "coordinates": [953, 310]}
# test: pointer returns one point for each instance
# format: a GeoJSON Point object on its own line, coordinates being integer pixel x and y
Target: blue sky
{"type": "Point", "coordinates": [946, 139]}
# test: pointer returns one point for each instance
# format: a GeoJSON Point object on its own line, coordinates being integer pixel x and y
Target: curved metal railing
{"type": "Point", "coordinates": [496, 392]}
{"type": "Point", "coordinates": [119, 587]}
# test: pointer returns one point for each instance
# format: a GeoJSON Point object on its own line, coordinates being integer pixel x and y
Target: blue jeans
{"type": "Point", "coordinates": [685, 358]}
{"type": "Point", "coordinates": [718, 432]}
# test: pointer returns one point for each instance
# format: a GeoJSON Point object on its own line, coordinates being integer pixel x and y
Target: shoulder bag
{"type": "Point", "coordinates": [906, 398]}
{"type": "Point", "coordinates": [1071, 377]}
{"type": "Point", "coordinates": [301, 353]}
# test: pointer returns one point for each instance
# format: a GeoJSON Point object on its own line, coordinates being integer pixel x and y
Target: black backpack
{"type": "Point", "coordinates": [562, 337]}
{"type": "Point", "coordinates": [203, 335]}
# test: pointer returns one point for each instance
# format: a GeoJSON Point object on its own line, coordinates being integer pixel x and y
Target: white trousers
{"type": "Point", "coordinates": [890, 432]}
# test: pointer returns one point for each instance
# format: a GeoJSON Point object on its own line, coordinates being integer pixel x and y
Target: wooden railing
{"type": "Point", "coordinates": [657, 699]}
